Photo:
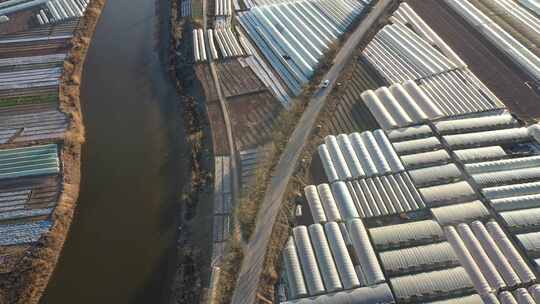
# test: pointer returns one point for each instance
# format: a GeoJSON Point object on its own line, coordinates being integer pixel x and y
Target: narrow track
{"type": "Point", "coordinates": [234, 168]}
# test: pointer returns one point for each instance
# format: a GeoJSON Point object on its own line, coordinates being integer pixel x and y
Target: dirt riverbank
{"type": "Point", "coordinates": [27, 281]}
{"type": "Point", "coordinates": [194, 234]}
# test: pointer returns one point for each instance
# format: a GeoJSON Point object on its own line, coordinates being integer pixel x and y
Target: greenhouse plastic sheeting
{"type": "Point", "coordinates": [459, 213]}
{"type": "Point", "coordinates": [491, 122]}
{"type": "Point", "coordinates": [522, 219]}
{"type": "Point", "coordinates": [480, 154]}
{"type": "Point", "coordinates": [434, 175]}
{"type": "Point", "coordinates": [506, 177]}
{"type": "Point", "coordinates": [408, 234]}
{"type": "Point", "coordinates": [512, 190]}
{"type": "Point", "coordinates": [413, 161]}
{"type": "Point", "coordinates": [503, 165]}
{"type": "Point", "coordinates": [293, 270]}
{"type": "Point", "coordinates": [418, 258]}
{"type": "Point", "coordinates": [472, 299]}
{"type": "Point", "coordinates": [448, 193]}
{"type": "Point", "coordinates": [408, 133]}
{"type": "Point", "coordinates": [485, 138]}
{"type": "Point", "coordinates": [379, 294]}
{"type": "Point", "coordinates": [417, 145]}
{"type": "Point", "coordinates": [430, 284]}
{"type": "Point", "coordinates": [29, 161]}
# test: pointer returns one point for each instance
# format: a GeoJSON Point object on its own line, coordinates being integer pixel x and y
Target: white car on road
{"type": "Point", "coordinates": [325, 83]}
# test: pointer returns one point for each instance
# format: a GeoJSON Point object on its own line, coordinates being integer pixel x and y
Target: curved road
{"type": "Point", "coordinates": [121, 247]}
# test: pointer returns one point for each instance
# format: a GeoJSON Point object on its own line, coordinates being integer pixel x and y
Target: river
{"type": "Point", "coordinates": [121, 246]}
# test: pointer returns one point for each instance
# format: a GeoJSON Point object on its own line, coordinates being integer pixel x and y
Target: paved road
{"type": "Point", "coordinates": [252, 265]}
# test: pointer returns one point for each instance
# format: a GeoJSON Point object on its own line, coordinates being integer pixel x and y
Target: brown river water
{"type": "Point", "coordinates": [121, 246]}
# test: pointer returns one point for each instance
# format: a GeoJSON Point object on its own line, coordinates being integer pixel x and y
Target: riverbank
{"type": "Point", "coordinates": [29, 278]}
{"type": "Point", "coordinates": [134, 165]}
{"type": "Point", "coordinates": [194, 234]}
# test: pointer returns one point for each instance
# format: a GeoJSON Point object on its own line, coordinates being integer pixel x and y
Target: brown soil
{"type": "Point", "coordinates": [237, 80]}
{"type": "Point", "coordinates": [26, 283]}
{"type": "Point", "coordinates": [18, 22]}
{"type": "Point", "coordinates": [205, 78]}
{"type": "Point", "coordinates": [253, 118]}
{"type": "Point", "coordinates": [10, 256]}
{"type": "Point", "coordinates": [217, 124]}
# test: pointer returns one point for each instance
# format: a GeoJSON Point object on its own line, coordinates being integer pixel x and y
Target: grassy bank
{"type": "Point", "coordinates": [228, 271]}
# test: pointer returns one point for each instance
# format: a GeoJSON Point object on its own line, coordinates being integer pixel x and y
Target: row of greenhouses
{"type": "Point", "coordinates": [405, 49]}
{"type": "Point", "coordinates": [317, 259]}
{"type": "Point", "coordinates": [29, 161]}
{"type": "Point", "coordinates": [46, 123]}
{"type": "Point", "coordinates": [447, 191]}
{"type": "Point", "coordinates": [46, 11]}
{"type": "Point", "coordinates": [34, 45]}
{"type": "Point", "coordinates": [410, 57]}
{"type": "Point", "coordinates": [527, 60]}
{"type": "Point", "coordinates": [364, 198]}
{"type": "Point", "coordinates": [220, 42]}
{"type": "Point", "coordinates": [459, 244]}
{"type": "Point", "coordinates": [358, 155]}
{"type": "Point", "coordinates": [293, 36]}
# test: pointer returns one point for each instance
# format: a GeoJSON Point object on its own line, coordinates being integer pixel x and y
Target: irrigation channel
{"type": "Point", "coordinates": [121, 247]}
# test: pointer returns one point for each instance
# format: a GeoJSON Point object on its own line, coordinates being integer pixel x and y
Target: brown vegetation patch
{"type": "Point", "coordinates": [187, 279]}
{"type": "Point", "coordinates": [191, 264]}
{"type": "Point", "coordinates": [10, 256]}
{"type": "Point", "coordinates": [217, 124]}
{"type": "Point", "coordinates": [205, 78]}
{"type": "Point", "coordinates": [228, 271]}
{"type": "Point", "coordinates": [237, 80]}
{"type": "Point", "coordinates": [253, 117]}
